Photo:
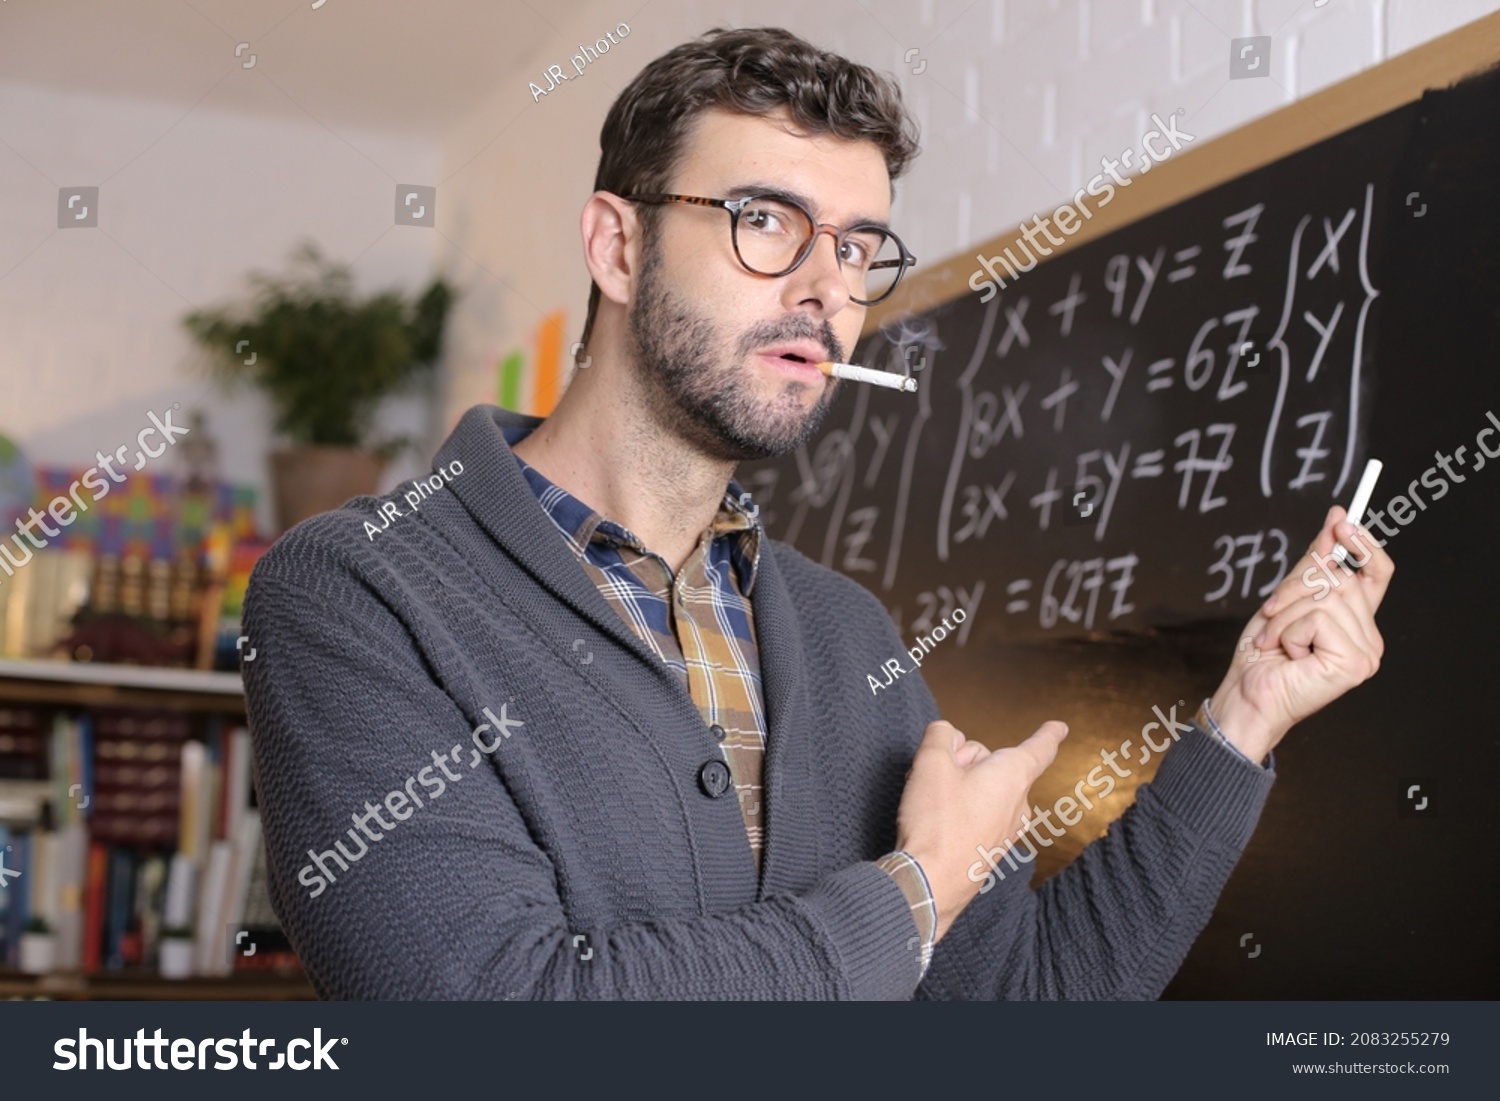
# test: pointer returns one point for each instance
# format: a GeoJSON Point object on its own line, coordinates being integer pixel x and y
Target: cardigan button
{"type": "Point", "coordinates": [714, 779]}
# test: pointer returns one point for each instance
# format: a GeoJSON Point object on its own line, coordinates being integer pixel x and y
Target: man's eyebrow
{"type": "Point", "coordinates": [774, 191]}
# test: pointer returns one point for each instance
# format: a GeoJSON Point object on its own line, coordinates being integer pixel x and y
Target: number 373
{"type": "Point", "coordinates": [1249, 563]}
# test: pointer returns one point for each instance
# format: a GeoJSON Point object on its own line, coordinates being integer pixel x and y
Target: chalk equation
{"type": "Point", "coordinates": [1145, 419]}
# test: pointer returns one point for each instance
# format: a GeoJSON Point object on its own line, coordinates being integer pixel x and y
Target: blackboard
{"type": "Point", "coordinates": [1111, 462]}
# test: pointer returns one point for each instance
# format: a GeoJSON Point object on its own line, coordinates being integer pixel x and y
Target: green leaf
{"type": "Point", "coordinates": [325, 359]}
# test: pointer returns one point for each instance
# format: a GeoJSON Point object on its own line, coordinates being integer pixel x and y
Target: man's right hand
{"type": "Point", "coordinates": [960, 796]}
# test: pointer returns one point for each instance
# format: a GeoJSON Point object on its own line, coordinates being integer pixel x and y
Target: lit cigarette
{"type": "Point", "coordinates": [1362, 494]}
{"type": "Point", "coordinates": [866, 374]}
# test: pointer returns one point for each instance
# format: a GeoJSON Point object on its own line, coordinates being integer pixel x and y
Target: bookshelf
{"type": "Point", "coordinates": [82, 684]}
{"type": "Point", "coordinates": [199, 697]}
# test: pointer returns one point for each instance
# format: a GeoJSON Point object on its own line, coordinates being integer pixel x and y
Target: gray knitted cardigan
{"type": "Point", "coordinates": [579, 852]}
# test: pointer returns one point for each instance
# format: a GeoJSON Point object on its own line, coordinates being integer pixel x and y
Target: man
{"type": "Point", "coordinates": [601, 738]}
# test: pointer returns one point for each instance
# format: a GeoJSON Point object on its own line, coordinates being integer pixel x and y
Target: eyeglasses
{"type": "Point", "coordinates": [774, 235]}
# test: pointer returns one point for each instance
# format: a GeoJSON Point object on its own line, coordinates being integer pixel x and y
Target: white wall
{"type": "Point", "coordinates": [90, 319]}
{"type": "Point", "coordinates": [1018, 101]}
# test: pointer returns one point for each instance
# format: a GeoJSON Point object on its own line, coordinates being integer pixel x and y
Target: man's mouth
{"type": "Point", "coordinates": [808, 353]}
{"type": "Point", "coordinates": [794, 365]}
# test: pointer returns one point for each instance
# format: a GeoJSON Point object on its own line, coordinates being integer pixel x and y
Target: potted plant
{"type": "Point", "coordinates": [175, 952]}
{"type": "Point", "coordinates": [38, 947]}
{"type": "Point", "coordinates": [326, 360]}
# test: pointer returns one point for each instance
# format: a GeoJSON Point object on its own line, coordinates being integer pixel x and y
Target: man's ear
{"type": "Point", "coordinates": [611, 231]}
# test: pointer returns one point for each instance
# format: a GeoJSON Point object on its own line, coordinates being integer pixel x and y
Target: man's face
{"type": "Point", "coordinates": [708, 334]}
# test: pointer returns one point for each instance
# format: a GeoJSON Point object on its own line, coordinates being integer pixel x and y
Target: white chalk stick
{"type": "Point", "coordinates": [1362, 494]}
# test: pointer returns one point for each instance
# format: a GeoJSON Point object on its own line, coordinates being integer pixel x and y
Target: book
{"type": "Point", "coordinates": [181, 890]}
{"type": "Point", "coordinates": [94, 904]}
{"type": "Point", "coordinates": [236, 890]}
{"type": "Point", "coordinates": [23, 744]}
{"type": "Point", "coordinates": [13, 631]}
{"type": "Point", "coordinates": [117, 908]}
{"type": "Point", "coordinates": [61, 767]}
{"type": "Point", "coordinates": [208, 934]}
{"type": "Point", "coordinates": [137, 781]}
{"type": "Point", "coordinates": [39, 602]}
{"type": "Point", "coordinates": [150, 891]}
{"type": "Point", "coordinates": [70, 866]}
{"type": "Point", "coordinates": [215, 794]}
{"type": "Point", "coordinates": [237, 762]}
{"type": "Point", "coordinates": [193, 825]}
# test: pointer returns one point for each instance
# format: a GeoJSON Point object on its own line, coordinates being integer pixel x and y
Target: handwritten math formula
{"type": "Point", "coordinates": [1144, 430]}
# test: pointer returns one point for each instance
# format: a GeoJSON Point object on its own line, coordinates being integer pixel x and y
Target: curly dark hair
{"type": "Point", "coordinates": [751, 71]}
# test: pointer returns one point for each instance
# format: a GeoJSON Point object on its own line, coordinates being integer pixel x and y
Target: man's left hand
{"type": "Point", "coordinates": [1311, 641]}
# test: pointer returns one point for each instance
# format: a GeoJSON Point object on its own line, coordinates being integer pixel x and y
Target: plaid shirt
{"type": "Point", "coordinates": [700, 623]}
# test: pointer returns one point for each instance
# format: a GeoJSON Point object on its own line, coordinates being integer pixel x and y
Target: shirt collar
{"type": "Point", "coordinates": [737, 519]}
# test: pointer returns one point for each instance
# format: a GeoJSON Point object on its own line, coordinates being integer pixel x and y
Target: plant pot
{"type": "Point", "coordinates": [38, 952]}
{"type": "Point", "coordinates": [175, 958]}
{"type": "Point", "coordinates": [309, 480]}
